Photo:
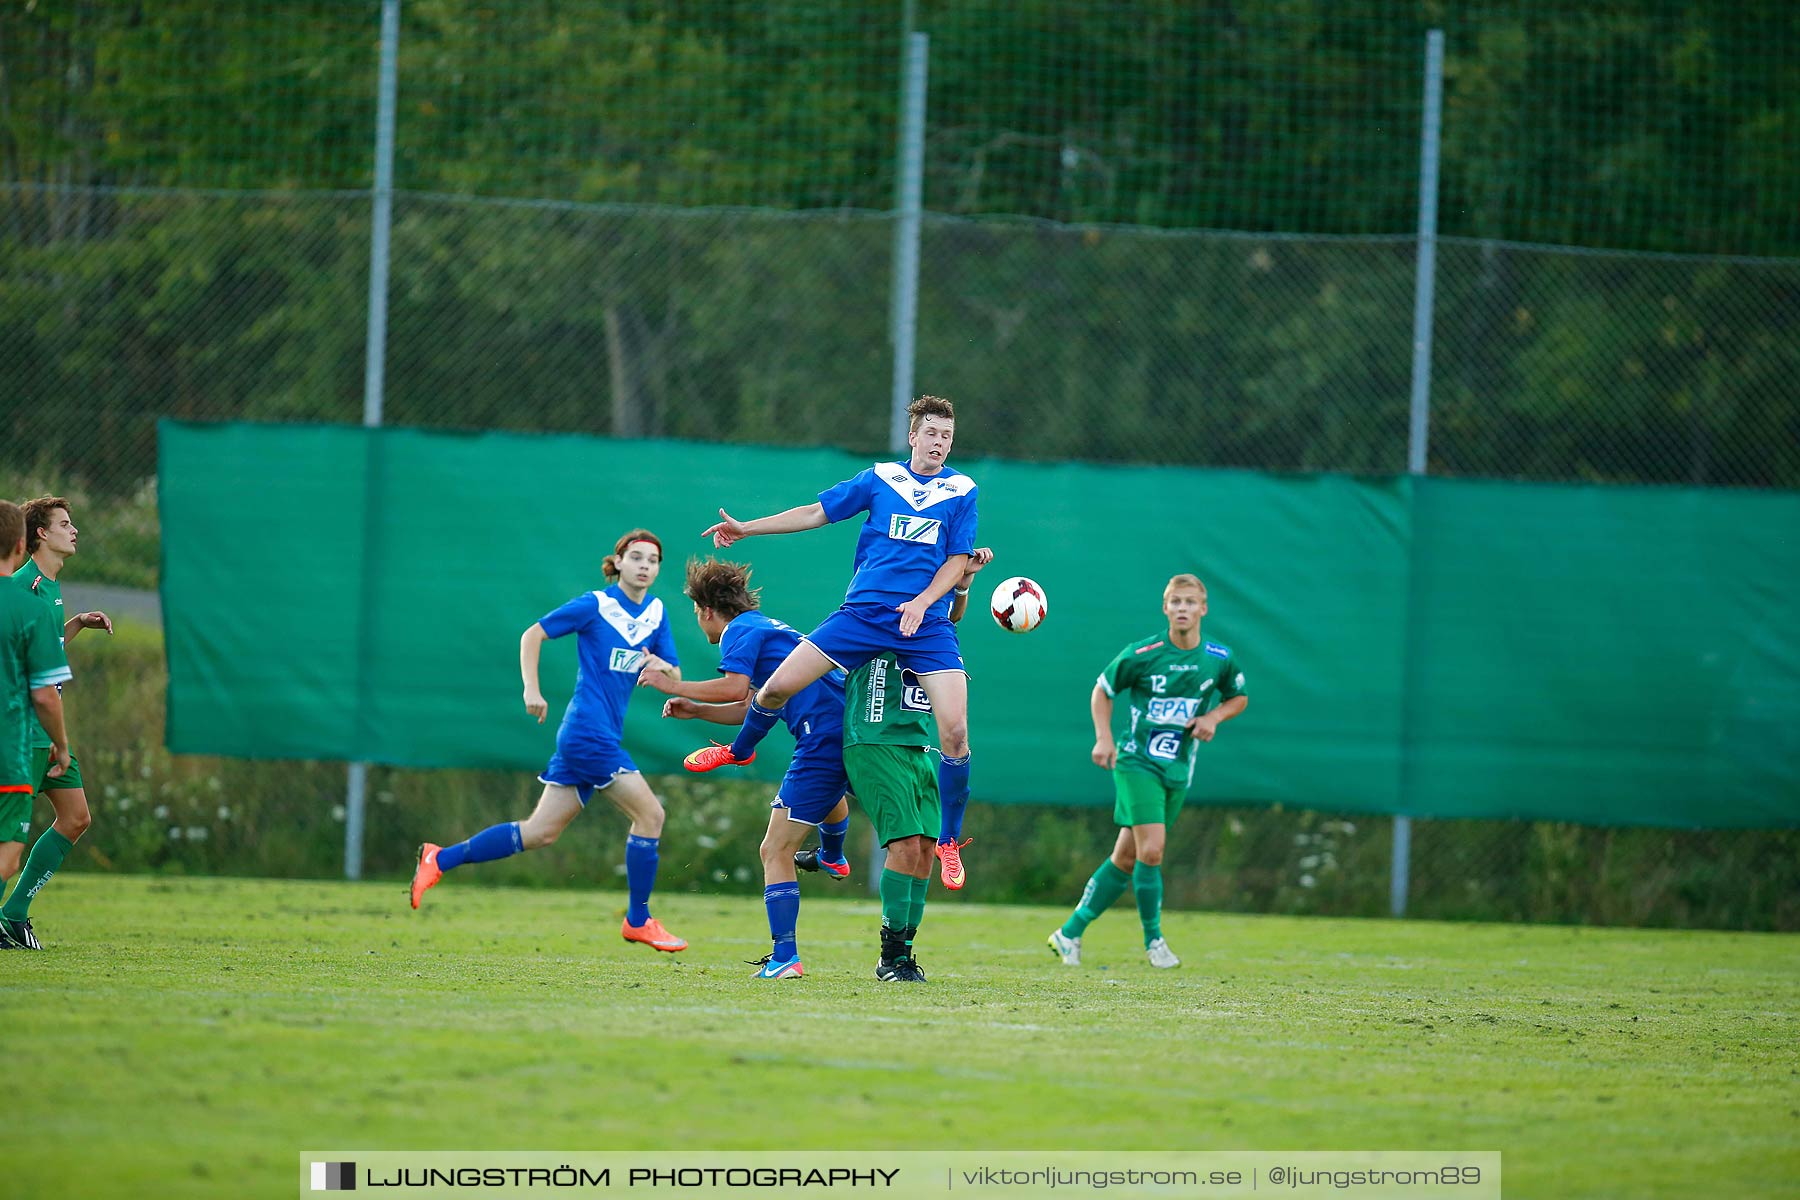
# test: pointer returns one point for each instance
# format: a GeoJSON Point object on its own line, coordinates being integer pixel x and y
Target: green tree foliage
{"type": "Point", "coordinates": [524, 295]}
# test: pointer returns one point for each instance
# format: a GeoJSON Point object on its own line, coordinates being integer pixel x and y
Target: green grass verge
{"type": "Point", "coordinates": [190, 1037]}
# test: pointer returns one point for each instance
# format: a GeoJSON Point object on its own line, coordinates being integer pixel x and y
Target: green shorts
{"type": "Point", "coordinates": [1141, 798]}
{"type": "Point", "coordinates": [15, 816]}
{"type": "Point", "coordinates": [69, 780]}
{"type": "Point", "coordinates": [897, 787]}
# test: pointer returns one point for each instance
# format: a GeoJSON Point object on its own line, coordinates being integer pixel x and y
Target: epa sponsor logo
{"type": "Point", "coordinates": [1173, 710]}
{"type": "Point", "coordinates": [627, 660]}
{"type": "Point", "coordinates": [1165, 744]}
{"type": "Point", "coordinates": [905, 527]}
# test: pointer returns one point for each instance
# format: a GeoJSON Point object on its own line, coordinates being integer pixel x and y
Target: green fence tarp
{"type": "Point", "coordinates": [1442, 648]}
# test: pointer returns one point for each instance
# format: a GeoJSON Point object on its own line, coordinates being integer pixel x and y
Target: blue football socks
{"type": "Point", "coordinates": [496, 841]}
{"type": "Point", "coordinates": [640, 875]}
{"type": "Point", "coordinates": [831, 839]}
{"type": "Point", "coordinates": [783, 902]}
{"type": "Point", "coordinates": [953, 796]}
{"type": "Point", "coordinates": [757, 723]}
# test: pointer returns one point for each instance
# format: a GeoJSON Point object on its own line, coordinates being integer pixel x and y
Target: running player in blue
{"type": "Point", "coordinates": [913, 549]}
{"type": "Point", "coordinates": [621, 632]}
{"type": "Point", "coordinates": [752, 647]}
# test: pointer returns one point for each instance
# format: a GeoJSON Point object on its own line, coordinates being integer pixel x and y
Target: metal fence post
{"type": "Point", "coordinates": [1425, 281]}
{"type": "Point", "coordinates": [356, 789]}
{"type": "Point", "coordinates": [903, 311]}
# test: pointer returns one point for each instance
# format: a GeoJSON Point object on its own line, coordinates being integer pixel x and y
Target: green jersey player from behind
{"type": "Point", "coordinates": [1179, 689]}
{"type": "Point", "coordinates": [889, 734]}
{"type": "Point", "coordinates": [31, 668]}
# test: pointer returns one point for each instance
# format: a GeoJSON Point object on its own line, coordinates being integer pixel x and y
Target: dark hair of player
{"type": "Point", "coordinates": [929, 406]}
{"type": "Point", "coordinates": [12, 525]}
{"type": "Point", "coordinates": [723, 587]}
{"type": "Point", "coordinates": [609, 566]}
{"type": "Point", "coordinates": [37, 518]}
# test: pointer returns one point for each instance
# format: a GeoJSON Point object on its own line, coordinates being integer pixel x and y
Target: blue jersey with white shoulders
{"type": "Point", "coordinates": [754, 645]}
{"type": "Point", "coordinates": [915, 523]}
{"type": "Point", "coordinates": [612, 635]}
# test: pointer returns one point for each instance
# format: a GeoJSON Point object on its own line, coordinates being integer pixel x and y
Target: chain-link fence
{"type": "Point", "coordinates": [1208, 349]}
{"type": "Point", "coordinates": [184, 231]}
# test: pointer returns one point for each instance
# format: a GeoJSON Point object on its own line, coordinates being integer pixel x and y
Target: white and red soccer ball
{"type": "Point", "coordinates": [1019, 605]}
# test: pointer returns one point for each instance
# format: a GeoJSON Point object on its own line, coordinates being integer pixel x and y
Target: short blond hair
{"type": "Point", "coordinates": [1184, 583]}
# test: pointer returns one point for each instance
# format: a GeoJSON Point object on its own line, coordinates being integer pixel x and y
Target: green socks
{"type": "Point", "coordinates": [896, 899]}
{"type": "Point", "coordinates": [1105, 887]}
{"type": "Point", "coordinates": [47, 854]}
{"type": "Point", "coordinates": [916, 912]}
{"type": "Point", "coordinates": [1146, 885]}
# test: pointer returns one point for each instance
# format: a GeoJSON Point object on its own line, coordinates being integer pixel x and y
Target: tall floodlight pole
{"type": "Point", "coordinates": [356, 791]}
{"type": "Point", "coordinates": [1425, 282]}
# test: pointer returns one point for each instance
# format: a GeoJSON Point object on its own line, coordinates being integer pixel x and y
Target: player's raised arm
{"type": "Point", "coordinates": [729, 529]}
{"type": "Point", "coordinates": [681, 709]}
{"type": "Point", "coordinates": [978, 559]}
{"type": "Point", "coordinates": [912, 613]}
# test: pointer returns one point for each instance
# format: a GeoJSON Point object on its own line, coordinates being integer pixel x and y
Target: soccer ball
{"type": "Point", "coordinates": [1019, 604]}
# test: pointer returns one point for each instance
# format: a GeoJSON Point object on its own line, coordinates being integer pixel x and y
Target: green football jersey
{"type": "Point", "coordinates": [885, 705]}
{"type": "Point", "coordinates": [1164, 688]}
{"type": "Point", "coordinates": [31, 656]}
{"type": "Point", "coordinates": [48, 593]}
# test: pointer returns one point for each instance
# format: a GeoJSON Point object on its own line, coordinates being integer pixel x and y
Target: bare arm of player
{"type": "Point", "coordinates": [48, 702]}
{"type": "Point", "coordinates": [960, 604]}
{"type": "Point", "coordinates": [1205, 727]}
{"type": "Point", "coordinates": [912, 613]}
{"type": "Point", "coordinates": [682, 709]}
{"type": "Point", "coordinates": [660, 666]}
{"type": "Point", "coordinates": [86, 620]}
{"type": "Point", "coordinates": [1106, 754]}
{"type": "Point", "coordinates": [723, 689]}
{"type": "Point", "coordinates": [530, 643]}
{"type": "Point", "coordinates": [729, 529]}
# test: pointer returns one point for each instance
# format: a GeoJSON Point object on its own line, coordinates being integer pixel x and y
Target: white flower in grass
{"type": "Point", "coordinates": [174, 833]}
{"type": "Point", "coordinates": [224, 813]}
{"type": "Point", "coordinates": [1307, 881]}
{"type": "Point", "coordinates": [198, 833]}
{"type": "Point", "coordinates": [337, 812]}
{"type": "Point", "coordinates": [160, 811]}
{"type": "Point", "coordinates": [125, 802]}
{"type": "Point", "coordinates": [705, 842]}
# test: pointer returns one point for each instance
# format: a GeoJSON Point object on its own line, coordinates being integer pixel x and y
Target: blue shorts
{"type": "Point", "coordinates": [815, 779]}
{"type": "Point", "coordinates": [585, 768]}
{"type": "Point", "coordinates": [854, 634]}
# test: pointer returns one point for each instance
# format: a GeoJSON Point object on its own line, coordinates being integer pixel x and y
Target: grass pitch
{"type": "Point", "coordinates": [190, 1037]}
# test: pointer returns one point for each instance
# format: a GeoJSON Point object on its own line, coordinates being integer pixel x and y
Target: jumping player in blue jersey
{"type": "Point", "coordinates": [621, 632]}
{"type": "Point", "coordinates": [913, 550]}
{"type": "Point", "coordinates": [752, 647]}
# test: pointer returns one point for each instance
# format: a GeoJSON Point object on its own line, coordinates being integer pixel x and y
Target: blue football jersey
{"type": "Point", "coordinates": [915, 522]}
{"type": "Point", "coordinates": [612, 635]}
{"type": "Point", "coordinates": [755, 644]}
